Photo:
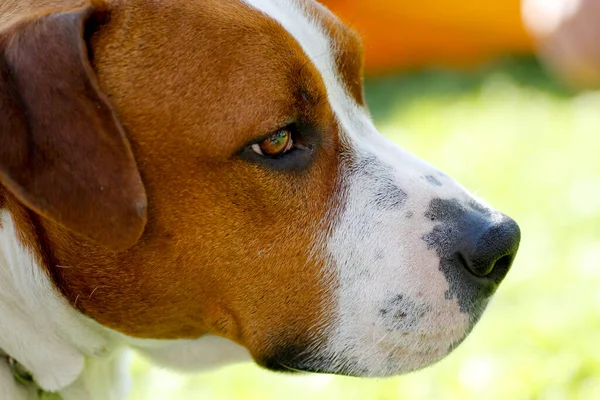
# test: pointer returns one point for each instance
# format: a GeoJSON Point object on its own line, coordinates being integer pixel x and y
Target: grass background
{"type": "Point", "coordinates": [509, 133]}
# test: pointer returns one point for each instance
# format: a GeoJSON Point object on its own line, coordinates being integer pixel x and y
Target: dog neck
{"type": "Point", "coordinates": [57, 345]}
{"type": "Point", "coordinates": [65, 351]}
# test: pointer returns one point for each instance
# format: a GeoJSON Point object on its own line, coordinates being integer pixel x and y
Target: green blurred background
{"type": "Point", "coordinates": [512, 135]}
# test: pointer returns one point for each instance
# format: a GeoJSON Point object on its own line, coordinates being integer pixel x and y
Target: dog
{"type": "Point", "coordinates": [200, 180]}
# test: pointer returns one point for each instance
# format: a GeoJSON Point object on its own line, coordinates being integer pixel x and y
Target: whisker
{"type": "Point", "coordinates": [93, 291]}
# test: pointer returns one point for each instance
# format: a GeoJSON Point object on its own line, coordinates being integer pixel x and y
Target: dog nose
{"type": "Point", "coordinates": [488, 250]}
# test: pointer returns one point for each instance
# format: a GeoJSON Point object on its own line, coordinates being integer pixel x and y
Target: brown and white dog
{"type": "Point", "coordinates": [200, 180]}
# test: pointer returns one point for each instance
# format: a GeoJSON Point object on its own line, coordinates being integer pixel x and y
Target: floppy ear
{"type": "Point", "coordinates": [63, 152]}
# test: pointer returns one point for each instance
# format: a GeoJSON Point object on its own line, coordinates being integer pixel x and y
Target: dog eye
{"type": "Point", "coordinates": [276, 145]}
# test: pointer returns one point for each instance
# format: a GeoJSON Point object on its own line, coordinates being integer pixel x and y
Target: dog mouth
{"type": "Point", "coordinates": [292, 362]}
{"type": "Point", "coordinates": [296, 370]}
{"type": "Point", "coordinates": [313, 369]}
{"type": "Point", "coordinates": [388, 367]}
{"type": "Point", "coordinates": [392, 363]}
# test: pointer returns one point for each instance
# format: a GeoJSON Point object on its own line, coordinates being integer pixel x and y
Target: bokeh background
{"type": "Point", "coordinates": [511, 130]}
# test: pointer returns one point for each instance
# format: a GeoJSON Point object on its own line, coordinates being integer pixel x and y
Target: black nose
{"type": "Point", "coordinates": [487, 250]}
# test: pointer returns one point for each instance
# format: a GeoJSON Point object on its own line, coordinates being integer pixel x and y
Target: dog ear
{"type": "Point", "coordinates": [63, 153]}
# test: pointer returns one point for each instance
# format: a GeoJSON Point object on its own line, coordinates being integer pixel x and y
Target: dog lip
{"type": "Point", "coordinates": [293, 370]}
{"type": "Point", "coordinates": [304, 369]}
{"type": "Point", "coordinates": [428, 358]}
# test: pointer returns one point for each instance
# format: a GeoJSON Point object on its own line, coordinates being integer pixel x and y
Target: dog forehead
{"type": "Point", "coordinates": [219, 73]}
{"type": "Point", "coordinates": [335, 51]}
{"type": "Point", "coordinates": [305, 22]}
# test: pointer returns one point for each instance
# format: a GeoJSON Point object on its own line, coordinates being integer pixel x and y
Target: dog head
{"type": "Point", "coordinates": [277, 216]}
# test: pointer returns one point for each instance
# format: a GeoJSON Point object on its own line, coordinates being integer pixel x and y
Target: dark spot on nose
{"type": "Point", "coordinates": [476, 249]}
{"type": "Point", "coordinates": [388, 195]}
{"type": "Point", "coordinates": [433, 180]}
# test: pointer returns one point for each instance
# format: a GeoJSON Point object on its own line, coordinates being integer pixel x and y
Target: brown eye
{"type": "Point", "coordinates": [275, 145]}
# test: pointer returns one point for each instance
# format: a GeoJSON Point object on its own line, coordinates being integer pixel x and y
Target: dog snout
{"type": "Point", "coordinates": [487, 249]}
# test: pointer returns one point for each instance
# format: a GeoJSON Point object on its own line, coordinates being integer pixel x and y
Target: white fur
{"type": "Point", "coordinates": [40, 329]}
{"type": "Point", "coordinates": [359, 340]}
{"type": "Point", "coordinates": [36, 324]}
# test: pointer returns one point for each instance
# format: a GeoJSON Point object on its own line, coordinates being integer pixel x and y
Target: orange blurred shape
{"type": "Point", "coordinates": [407, 33]}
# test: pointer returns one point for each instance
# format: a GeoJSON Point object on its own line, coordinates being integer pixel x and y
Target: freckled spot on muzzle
{"type": "Point", "coordinates": [388, 195]}
{"type": "Point", "coordinates": [403, 314]}
{"type": "Point", "coordinates": [433, 180]}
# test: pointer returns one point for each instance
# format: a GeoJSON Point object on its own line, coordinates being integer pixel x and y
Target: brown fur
{"type": "Point", "coordinates": [226, 248]}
